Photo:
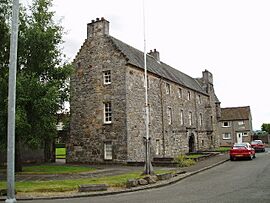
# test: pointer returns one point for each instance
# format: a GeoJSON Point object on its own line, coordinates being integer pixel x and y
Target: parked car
{"type": "Point", "coordinates": [243, 150]}
{"type": "Point", "coordinates": [258, 145]}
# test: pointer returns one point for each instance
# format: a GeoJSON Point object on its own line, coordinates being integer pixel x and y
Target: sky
{"type": "Point", "coordinates": [229, 38]}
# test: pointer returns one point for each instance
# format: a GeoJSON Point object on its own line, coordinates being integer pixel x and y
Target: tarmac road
{"type": "Point", "coordinates": [234, 181]}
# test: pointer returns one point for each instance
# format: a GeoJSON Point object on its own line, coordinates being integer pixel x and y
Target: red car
{"type": "Point", "coordinates": [243, 150]}
{"type": "Point", "coordinates": [258, 145]}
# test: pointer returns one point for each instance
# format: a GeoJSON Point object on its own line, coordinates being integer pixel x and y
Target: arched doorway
{"type": "Point", "coordinates": [191, 143]}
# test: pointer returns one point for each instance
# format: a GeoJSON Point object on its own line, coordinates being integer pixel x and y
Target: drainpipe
{"type": "Point", "coordinates": [162, 117]}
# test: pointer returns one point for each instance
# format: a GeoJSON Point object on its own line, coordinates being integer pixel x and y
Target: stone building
{"type": "Point", "coordinates": [108, 104]}
{"type": "Point", "coordinates": [235, 125]}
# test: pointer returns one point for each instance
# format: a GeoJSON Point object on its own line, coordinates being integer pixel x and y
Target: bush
{"type": "Point", "coordinates": [183, 161]}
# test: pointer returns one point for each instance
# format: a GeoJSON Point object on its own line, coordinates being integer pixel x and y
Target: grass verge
{"type": "Point", "coordinates": [72, 185]}
{"type": "Point", "coordinates": [223, 149]}
{"type": "Point", "coordinates": [55, 169]}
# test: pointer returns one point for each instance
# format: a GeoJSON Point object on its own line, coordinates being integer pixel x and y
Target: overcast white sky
{"type": "Point", "coordinates": [230, 38]}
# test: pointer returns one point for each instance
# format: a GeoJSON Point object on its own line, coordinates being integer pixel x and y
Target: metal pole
{"type": "Point", "coordinates": [11, 104]}
{"type": "Point", "coordinates": [148, 169]}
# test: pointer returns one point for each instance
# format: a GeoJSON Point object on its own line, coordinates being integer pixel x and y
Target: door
{"type": "Point", "coordinates": [239, 137]}
{"type": "Point", "coordinates": [191, 143]}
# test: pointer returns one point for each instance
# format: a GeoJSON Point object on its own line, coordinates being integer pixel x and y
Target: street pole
{"type": "Point", "coordinates": [148, 169]}
{"type": "Point", "coordinates": [11, 104]}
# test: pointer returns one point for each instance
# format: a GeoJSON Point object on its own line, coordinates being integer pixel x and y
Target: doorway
{"type": "Point", "coordinates": [191, 143]}
{"type": "Point", "coordinates": [239, 137]}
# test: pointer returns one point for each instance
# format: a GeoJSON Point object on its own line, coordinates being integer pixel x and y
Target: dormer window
{"type": "Point", "coordinates": [107, 77]}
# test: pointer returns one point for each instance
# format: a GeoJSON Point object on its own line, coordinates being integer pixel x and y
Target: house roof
{"type": "Point", "coordinates": [136, 57]}
{"type": "Point", "coordinates": [235, 113]}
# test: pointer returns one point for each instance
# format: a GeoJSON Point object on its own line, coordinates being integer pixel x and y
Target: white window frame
{"type": "Point", "coordinates": [199, 99]}
{"type": "Point", "coordinates": [181, 117]}
{"type": "Point", "coordinates": [226, 126]}
{"type": "Point", "coordinates": [226, 136]}
{"type": "Point", "coordinates": [200, 119]}
{"type": "Point", "coordinates": [241, 123]}
{"type": "Point", "coordinates": [244, 134]}
{"type": "Point", "coordinates": [190, 118]}
{"type": "Point", "coordinates": [180, 93]}
{"type": "Point", "coordinates": [169, 114]}
{"type": "Point", "coordinates": [168, 88]}
{"type": "Point", "coordinates": [108, 151]}
{"type": "Point", "coordinates": [107, 78]}
{"type": "Point", "coordinates": [158, 147]}
{"type": "Point", "coordinates": [107, 112]}
{"type": "Point", "coordinates": [188, 95]}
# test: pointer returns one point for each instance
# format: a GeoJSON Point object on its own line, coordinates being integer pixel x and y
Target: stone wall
{"type": "Point", "coordinates": [88, 95]}
{"type": "Point", "coordinates": [167, 140]}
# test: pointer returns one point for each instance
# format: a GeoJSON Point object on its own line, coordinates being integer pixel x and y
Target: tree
{"type": "Point", "coordinates": [5, 11]}
{"type": "Point", "coordinates": [41, 79]}
{"type": "Point", "coordinates": [266, 127]}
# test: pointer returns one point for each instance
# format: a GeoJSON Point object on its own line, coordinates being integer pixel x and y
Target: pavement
{"type": "Point", "coordinates": [111, 170]}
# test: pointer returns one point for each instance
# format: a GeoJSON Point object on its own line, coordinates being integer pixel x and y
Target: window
{"type": "Point", "coordinates": [226, 124]}
{"type": "Point", "coordinates": [226, 136]}
{"type": "Point", "coordinates": [203, 143]}
{"type": "Point", "coordinates": [158, 147]}
{"type": "Point", "coordinates": [190, 118]}
{"type": "Point", "coordinates": [108, 150]}
{"type": "Point", "coordinates": [240, 122]}
{"type": "Point", "coordinates": [181, 117]}
{"type": "Point", "coordinates": [179, 93]}
{"type": "Point", "coordinates": [168, 88]}
{"type": "Point", "coordinates": [107, 112]}
{"type": "Point", "coordinates": [188, 95]}
{"type": "Point", "coordinates": [169, 114]}
{"type": "Point", "coordinates": [245, 134]}
{"type": "Point", "coordinates": [200, 119]}
{"type": "Point", "coordinates": [107, 77]}
{"type": "Point", "coordinates": [199, 99]}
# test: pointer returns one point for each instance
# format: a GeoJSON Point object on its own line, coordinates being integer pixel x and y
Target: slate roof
{"type": "Point", "coordinates": [235, 113]}
{"type": "Point", "coordinates": [136, 57]}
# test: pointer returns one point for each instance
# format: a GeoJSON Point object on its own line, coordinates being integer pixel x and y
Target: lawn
{"type": "Point", "coordinates": [194, 156]}
{"type": "Point", "coordinates": [55, 169]}
{"type": "Point", "coordinates": [60, 153]}
{"type": "Point", "coordinates": [72, 185]}
{"type": "Point", "coordinates": [223, 149]}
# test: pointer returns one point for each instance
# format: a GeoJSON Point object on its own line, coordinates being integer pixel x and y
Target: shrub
{"type": "Point", "coordinates": [183, 161]}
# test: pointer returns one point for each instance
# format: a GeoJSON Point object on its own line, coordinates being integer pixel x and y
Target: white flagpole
{"type": "Point", "coordinates": [148, 166]}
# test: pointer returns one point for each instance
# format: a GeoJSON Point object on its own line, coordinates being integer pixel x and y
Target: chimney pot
{"type": "Point", "coordinates": [98, 28]}
{"type": "Point", "coordinates": [154, 54]}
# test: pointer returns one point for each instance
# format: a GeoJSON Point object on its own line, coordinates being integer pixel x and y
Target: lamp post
{"type": "Point", "coordinates": [11, 104]}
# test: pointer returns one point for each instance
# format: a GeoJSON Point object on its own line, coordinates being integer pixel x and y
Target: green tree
{"type": "Point", "coordinates": [5, 9]}
{"type": "Point", "coordinates": [266, 127]}
{"type": "Point", "coordinates": [41, 79]}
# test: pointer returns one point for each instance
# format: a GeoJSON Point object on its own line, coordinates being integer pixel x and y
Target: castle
{"type": "Point", "coordinates": [108, 104]}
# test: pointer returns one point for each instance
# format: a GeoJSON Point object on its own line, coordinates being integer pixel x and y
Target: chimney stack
{"type": "Point", "coordinates": [98, 27]}
{"type": "Point", "coordinates": [155, 54]}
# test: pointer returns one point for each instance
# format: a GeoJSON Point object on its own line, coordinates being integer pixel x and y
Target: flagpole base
{"type": "Point", "coordinates": [10, 200]}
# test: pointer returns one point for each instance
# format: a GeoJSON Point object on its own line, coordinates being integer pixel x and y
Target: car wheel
{"type": "Point", "coordinates": [231, 158]}
{"type": "Point", "coordinates": [254, 156]}
{"type": "Point", "coordinates": [263, 150]}
{"type": "Point", "coordinates": [251, 157]}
